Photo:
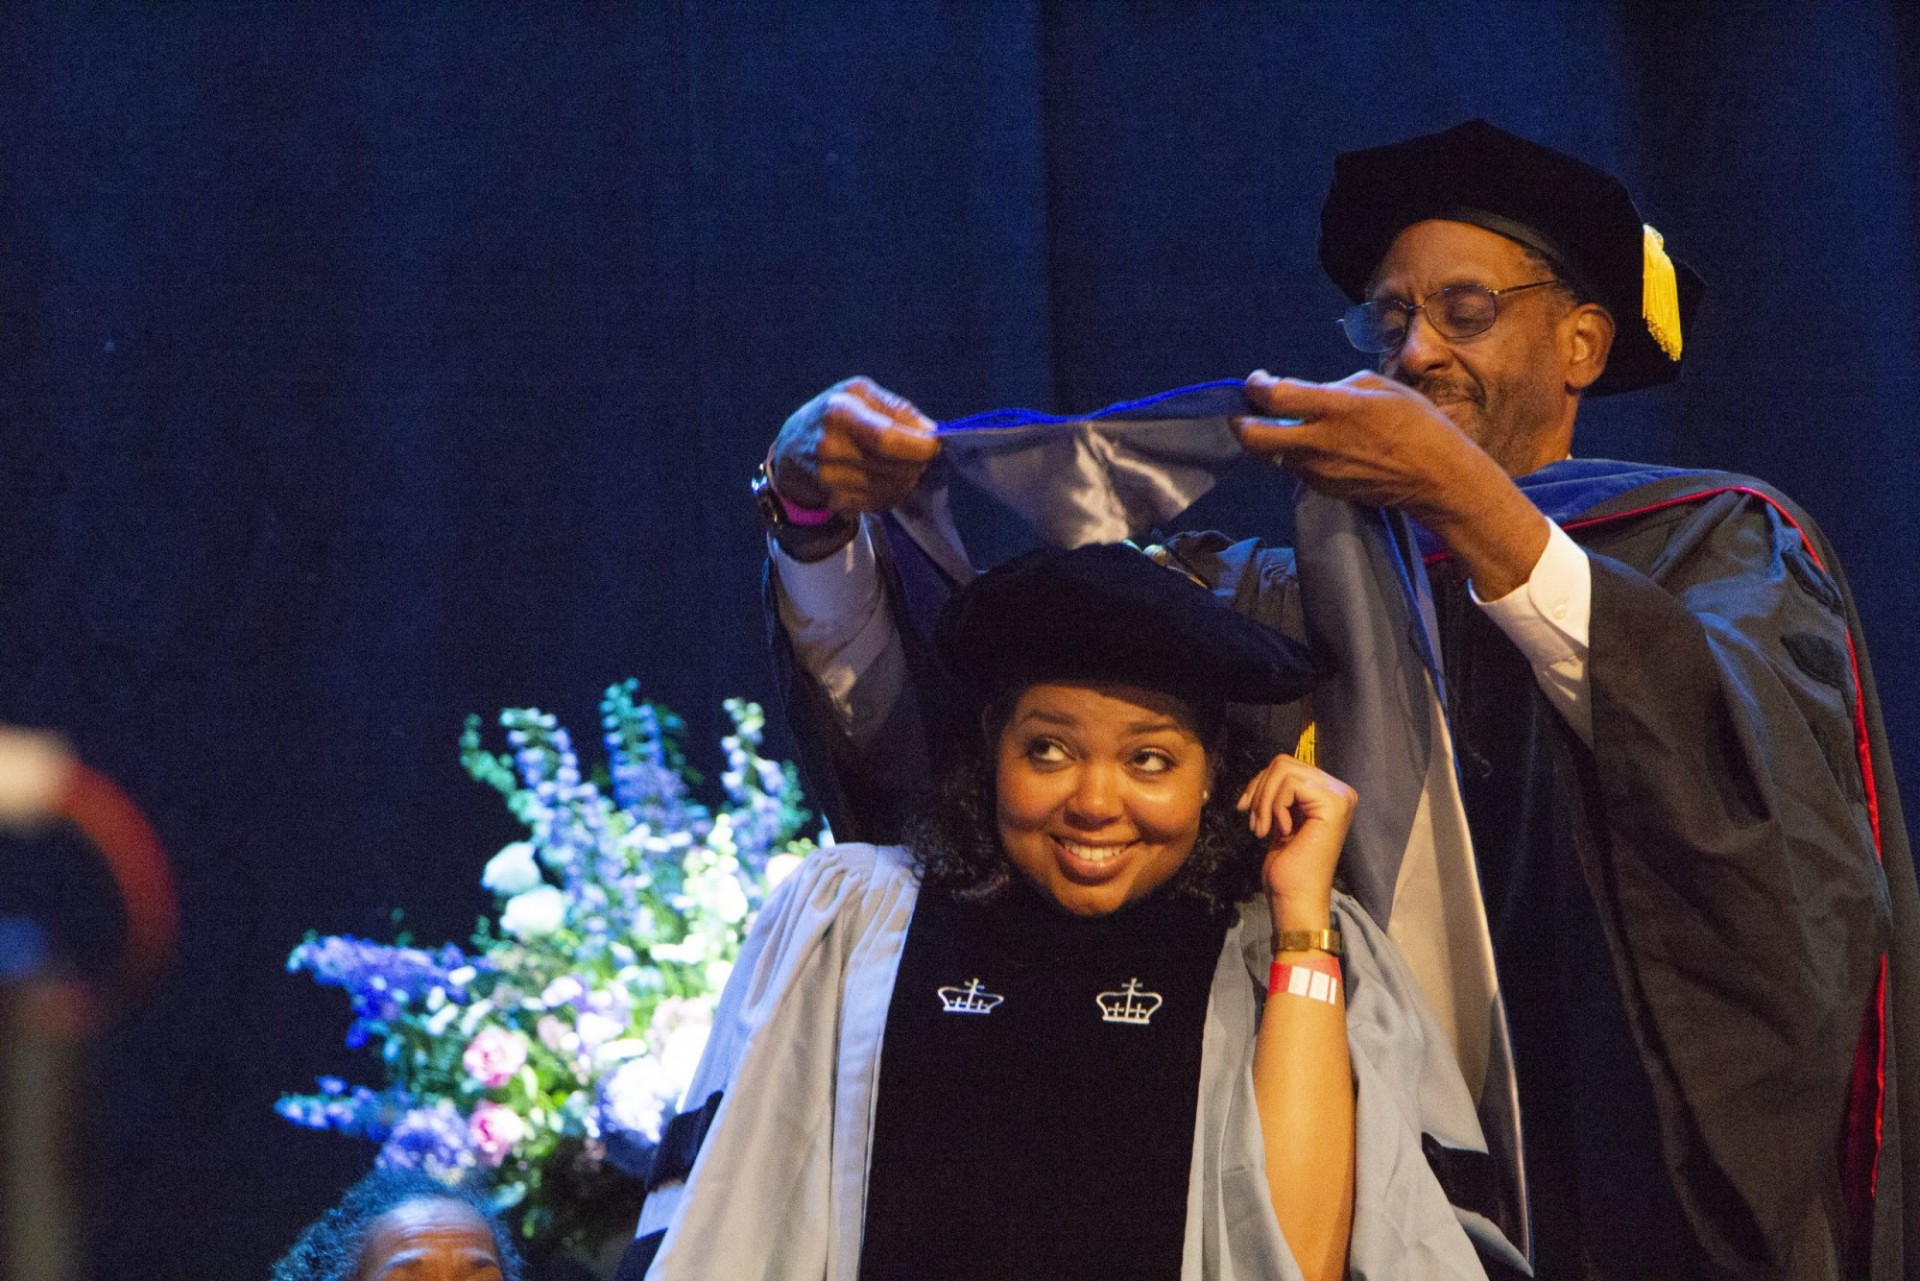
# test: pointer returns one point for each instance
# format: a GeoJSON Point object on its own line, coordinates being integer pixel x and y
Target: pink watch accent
{"type": "Point", "coordinates": [796, 514]}
{"type": "Point", "coordinates": [802, 515]}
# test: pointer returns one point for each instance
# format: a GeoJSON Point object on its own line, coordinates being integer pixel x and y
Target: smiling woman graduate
{"type": "Point", "coordinates": [1105, 1015]}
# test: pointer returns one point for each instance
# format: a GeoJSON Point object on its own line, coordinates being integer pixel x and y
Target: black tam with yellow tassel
{"type": "Point", "coordinates": [1578, 217]}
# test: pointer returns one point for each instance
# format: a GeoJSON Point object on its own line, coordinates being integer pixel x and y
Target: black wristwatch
{"type": "Point", "coordinates": [801, 542]}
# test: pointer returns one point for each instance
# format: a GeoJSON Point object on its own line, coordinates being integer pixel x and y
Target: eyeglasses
{"type": "Point", "coordinates": [1458, 311]}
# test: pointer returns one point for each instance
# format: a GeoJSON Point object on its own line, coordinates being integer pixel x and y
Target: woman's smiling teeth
{"type": "Point", "coordinates": [1092, 853]}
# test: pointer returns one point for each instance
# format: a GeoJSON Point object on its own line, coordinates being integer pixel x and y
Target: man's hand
{"type": "Point", "coordinates": [1369, 439]}
{"type": "Point", "coordinates": [856, 447]}
{"type": "Point", "coordinates": [1365, 438]}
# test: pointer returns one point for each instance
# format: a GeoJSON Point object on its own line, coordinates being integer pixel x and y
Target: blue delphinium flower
{"type": "Point", "coordinates": [382, 980]}
{"type": "Point", "coordinates": [568, 816]}
{"type": "Point", "coordinates": [432, 1138]}
{"type": "Point", "coordinates": [766, 812]}
{"type": "Point", "coordinates": [645, 762]}
{"type": "Point", "coordinates": [618, 917]}
{"type": "Point", "coordinates": [354, 1111]}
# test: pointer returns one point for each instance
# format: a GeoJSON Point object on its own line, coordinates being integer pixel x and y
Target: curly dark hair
{"type": "Point", "coordinates": [955, 839]}
{"type": "Point", "coordinates": [330, 1247]}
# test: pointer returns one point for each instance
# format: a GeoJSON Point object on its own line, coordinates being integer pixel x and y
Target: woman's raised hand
{"type": "Point", "coordinates": [1302, 813]}
{"type": "Point", "coordinates": [1302, 1081]}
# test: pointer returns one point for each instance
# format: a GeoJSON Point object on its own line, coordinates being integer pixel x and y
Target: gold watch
{"type": "Point", "coordinates": [1327, 940]}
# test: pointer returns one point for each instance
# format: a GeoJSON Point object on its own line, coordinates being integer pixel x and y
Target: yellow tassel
{"type": "Point", "coordinates": [1160, 556]}
{"type": "Point", "coordinates": [1303, 750]}
{"type": "Point", "coordinates": [1659, 292]}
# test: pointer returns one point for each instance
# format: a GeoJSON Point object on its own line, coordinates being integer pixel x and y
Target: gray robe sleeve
{"type": "Point", "coordinates": [1406, 1087]}
{"type": "Point", "coordinates": [778, 1189]}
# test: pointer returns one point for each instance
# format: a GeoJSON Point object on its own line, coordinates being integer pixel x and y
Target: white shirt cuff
{"type": "Point", "coordinates": [824, 601]}
{"type": "Point", "coordinates": [842, 633]}
{"type": "Point", "coordinates": [1549, 617]}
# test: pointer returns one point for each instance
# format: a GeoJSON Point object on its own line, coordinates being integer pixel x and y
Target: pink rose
{"type": "Point", "coordinates": [493, 1130]}
{"type": "Point", "coordinates": [494, 1056]}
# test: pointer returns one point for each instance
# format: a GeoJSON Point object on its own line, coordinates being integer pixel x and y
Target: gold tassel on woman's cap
{"type": "Point", "coordinates": [1659, 294]}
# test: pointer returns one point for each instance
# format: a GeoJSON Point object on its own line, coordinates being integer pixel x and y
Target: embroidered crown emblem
{"type": "Point", "coordinates": [969, 999]}
{"type": "Point", "coordinates": [1128, 1005]}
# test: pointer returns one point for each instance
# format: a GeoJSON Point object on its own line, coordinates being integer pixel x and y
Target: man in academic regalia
{"type": "Point", "coordinates": [1690, 848]}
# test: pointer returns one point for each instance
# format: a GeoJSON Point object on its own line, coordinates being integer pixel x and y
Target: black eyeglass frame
{"type": "Point", "coordinates": [1357, 313]}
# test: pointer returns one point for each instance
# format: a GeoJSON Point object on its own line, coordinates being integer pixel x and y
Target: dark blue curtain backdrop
{"type": "Point", "coordinates": [364, 366]}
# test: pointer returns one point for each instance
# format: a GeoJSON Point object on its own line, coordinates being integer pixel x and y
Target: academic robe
{"type": "Point", "coordinates": [787, 1086]}
{"type": "Point", "coordinates": [1705, 924]}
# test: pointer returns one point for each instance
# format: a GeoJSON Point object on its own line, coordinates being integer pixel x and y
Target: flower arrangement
{"type": "Point", "coordinates": [543, 1059]}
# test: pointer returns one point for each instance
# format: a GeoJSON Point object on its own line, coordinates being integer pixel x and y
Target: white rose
{"type": "Point", "coordinates": [729, 900]}
{"type": "Point", "coordinates": [619, 1050]}
{"type": "Point", "coordinates": [535, 913]}
{"type": "Point", "coordinates": [512, 871]}
{"type": "Point", "coordinates": [688, 951]}
{"type": "Point", "coordinates": [563, 991]}
{"type": "Point", "coordinates": [780, 867]}
{"type": "Point", "coordinates": [635, 1096]}
{"type": "Point", "coordinates": [597, 1029]}
{"type": "Point", "coordinates": [556, 1036]}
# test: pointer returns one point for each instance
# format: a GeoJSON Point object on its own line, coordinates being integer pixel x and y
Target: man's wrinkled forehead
{"type": "Point", "coordinates": [1468, 254]}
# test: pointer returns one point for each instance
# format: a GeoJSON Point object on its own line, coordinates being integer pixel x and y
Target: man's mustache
{"type": "Point", "coordinates": [1440, 390]}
